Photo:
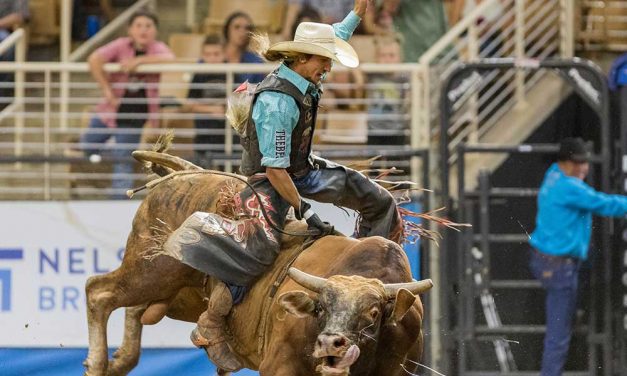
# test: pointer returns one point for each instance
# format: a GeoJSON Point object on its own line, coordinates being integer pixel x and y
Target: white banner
{"type": "Point", "coordinates": [47, 252]}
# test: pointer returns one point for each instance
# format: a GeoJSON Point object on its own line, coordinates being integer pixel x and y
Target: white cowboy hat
{"type": "Point", "coordinates": [319, 39]}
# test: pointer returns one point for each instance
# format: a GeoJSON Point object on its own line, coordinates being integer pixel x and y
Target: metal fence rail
{"type": "Point", "coordinates": [47, 117]}
{"type": "Point", "coordinates": [524, 29]}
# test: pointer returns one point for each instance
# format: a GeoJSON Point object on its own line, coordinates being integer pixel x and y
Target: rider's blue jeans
{"type": "Point", "coordinates": [559, 277]}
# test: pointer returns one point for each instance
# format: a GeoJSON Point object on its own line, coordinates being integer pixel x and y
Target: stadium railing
{"type": "Point", "coordinates": [41, 154]}
{"type": "Point", "coordinates": [522, 29]}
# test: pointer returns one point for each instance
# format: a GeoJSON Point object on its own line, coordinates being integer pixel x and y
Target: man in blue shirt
{"type": "Point", "coordinates": [561, 240]}
{"type": "Point", "coordinates": [277, 160]}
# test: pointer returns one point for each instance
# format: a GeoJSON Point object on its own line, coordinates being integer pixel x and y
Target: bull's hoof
{"type": "Point", "coordinates": [92, 369]}
{"type": "Point", "coordinates": [121, 364]}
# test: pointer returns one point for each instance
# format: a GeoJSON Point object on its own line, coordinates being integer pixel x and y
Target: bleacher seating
{"type": "Point", "coordinates": [44, 23]}
{"type": "Point", "coordinates": [364, 45]}
{"type": "Point", "coordinates": [343, 127]}
{"type": "Point", "coordinates": [602, 25]}
{"type": "Point", "coordinates": [186, 45]}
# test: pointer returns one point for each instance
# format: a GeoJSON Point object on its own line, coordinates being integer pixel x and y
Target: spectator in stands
{"type": "Point", "coordinates": [560, 243]}
{"type": "Point", "coordinates": [207, 89]}
{"type": "Point", "coordinates": [237, 31]}
{"type": "Point", "coordinates": [386, 96]}
{"type": "Point", "coordinates": [380, 19]}
{"type": "Point", "coordinates": [421, 23]}
{"type": "Point", "coordinates": [618, 73]}
{"type": "Point", "coordinates": [330, 11]}
{"type": "Point", "coordinates": [12, 14]}
{"type": "Point", "coordinates": [130, 98]}
{"type": "Point", "coordinates": [306, 14]}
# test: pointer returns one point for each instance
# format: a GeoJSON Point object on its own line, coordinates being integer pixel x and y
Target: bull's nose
{"type": "Point", "coordinates": [332, 342]}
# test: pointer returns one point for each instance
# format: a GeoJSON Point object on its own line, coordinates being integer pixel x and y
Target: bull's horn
{"type": "Point", "coordinates": [308, 281]}
{"type": "Point", "coordinates": [167, 160]}
{"type": "Point", "coordinates": [415, 287]}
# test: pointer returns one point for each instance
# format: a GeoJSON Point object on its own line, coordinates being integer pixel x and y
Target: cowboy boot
{"type": "Point", "coordinates": [209, 332]}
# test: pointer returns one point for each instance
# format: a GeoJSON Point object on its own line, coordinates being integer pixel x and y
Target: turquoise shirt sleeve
{"type": "Point", "coordinates": [275, 115]}
{"type": "Point", "coordinates": [345, 29]}
{"type": "Point", "coordinates": [579, 195]}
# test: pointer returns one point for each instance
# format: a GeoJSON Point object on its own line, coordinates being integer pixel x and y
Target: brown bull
{"type": "Point", "coordinates": [310, 325]}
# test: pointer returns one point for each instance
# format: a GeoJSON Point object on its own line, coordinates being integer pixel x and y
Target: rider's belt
{"type": "Point", "coordinates": [556, 259]}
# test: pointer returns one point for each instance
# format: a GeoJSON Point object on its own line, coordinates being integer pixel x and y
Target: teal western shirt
{"type": "Point", "coordinates": [275, 111]}
{"type": "Point", "coordinates": [565, 208]}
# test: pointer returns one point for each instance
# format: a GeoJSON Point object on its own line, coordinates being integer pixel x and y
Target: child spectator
{"type": "Point", "coordinates": [130, 98]}
{"type": "Point", "coordinates": [237, 31]}
{"type": "Point", "coordinates": [386, 94]}
{"type": "Point", "coordinates": [207, 89]}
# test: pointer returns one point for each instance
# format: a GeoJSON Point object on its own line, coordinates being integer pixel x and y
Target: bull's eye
{"type": "Point", "coordinates": [374, 313]}
{"type": "Point", "coordinates": [319, 310]}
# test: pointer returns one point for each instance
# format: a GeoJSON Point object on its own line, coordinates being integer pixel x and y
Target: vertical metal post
{"type": "Point", "coordinates": [435, 343]}
{"type": "Point", "coordinates": [462, 247]}
{"type": "Point", "coordinates": [66, 30]}
{"type": "Point", "coordinates": [228, 130]}
{"type": "Point", "coordinates": [608, 359]}
{"type": "Point", "coordinates": [47, 112]}
{"type": "Point", "coordinates": [64, 98]}
{"type": "Point", "coordinates": [567, 28]}
{"type": "Point", "coordinates": [19, 93]}
{"type": "Point", "coordinates": [484, 222]}
{"type": "Point", "coordinates": [473, 101]}
{"type": "Point", "coordinates": [623, 250]}
{"type": "Point", "coordinates": [66, 46]}
{"type": "Point", "coordinates": [520, 51]}
{"type": "Point", "coordinates": [190, 20]}
{"type": "Point", "coordinates": [416, 132]}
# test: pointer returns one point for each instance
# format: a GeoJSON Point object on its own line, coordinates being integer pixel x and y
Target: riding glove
{"type": "Point", "coordinates": [312, 219]}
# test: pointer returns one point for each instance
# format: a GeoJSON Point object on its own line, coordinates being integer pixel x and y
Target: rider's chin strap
{"type": "Point", "coordinates": [154, 183]}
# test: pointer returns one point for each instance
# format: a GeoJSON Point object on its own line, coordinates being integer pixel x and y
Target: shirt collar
{"type": "Point", "coordinates": [302, 84]}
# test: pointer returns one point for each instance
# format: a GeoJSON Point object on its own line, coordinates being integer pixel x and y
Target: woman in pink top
{"type": "Point", "coordinates": [130, 99]}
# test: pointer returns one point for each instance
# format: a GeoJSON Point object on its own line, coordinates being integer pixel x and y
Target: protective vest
{"type": "Point", "coordinates": [302, 134]}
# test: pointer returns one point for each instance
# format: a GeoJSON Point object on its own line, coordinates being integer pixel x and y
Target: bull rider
{"type": "Point", "coordinates": [278, 163]}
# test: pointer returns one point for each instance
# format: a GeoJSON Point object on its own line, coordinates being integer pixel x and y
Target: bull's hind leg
{"type": "Point", "coordinates": [126, 357]}
{"type": "Point", "coordinates": [100, 291]}
{"type": "Point", "coordinates": [134, 284]}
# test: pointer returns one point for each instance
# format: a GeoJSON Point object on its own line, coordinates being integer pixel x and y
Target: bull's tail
{"type": "Point", "coordinates": [161, 163]}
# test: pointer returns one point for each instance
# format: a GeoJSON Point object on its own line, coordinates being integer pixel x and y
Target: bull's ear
{"type": "Point", "coordinates": [298, 303]}
{"type": "Point", "coordinates": [403, 302]}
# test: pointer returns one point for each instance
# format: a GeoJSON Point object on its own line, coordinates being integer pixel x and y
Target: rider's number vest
{"type": "Point", "coordinates": [302, 134]}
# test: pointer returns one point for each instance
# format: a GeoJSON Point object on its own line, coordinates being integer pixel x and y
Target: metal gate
{"type": "Point", "coordinates": [475, 277]}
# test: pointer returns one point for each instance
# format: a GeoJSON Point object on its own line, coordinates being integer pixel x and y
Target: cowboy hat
{"type": "Point", "coordinates": [319, 39]}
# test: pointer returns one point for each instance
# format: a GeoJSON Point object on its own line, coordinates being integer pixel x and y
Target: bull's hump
{"type": "Point", "coordinates": [372, 257]}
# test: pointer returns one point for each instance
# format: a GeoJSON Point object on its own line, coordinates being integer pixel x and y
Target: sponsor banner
{"type": "Point", "coordinates": [63, 362]}
{"type": "Point", "coordinates": [47, 252]}
{"type": "Point", "coordinates": [49, 249]}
